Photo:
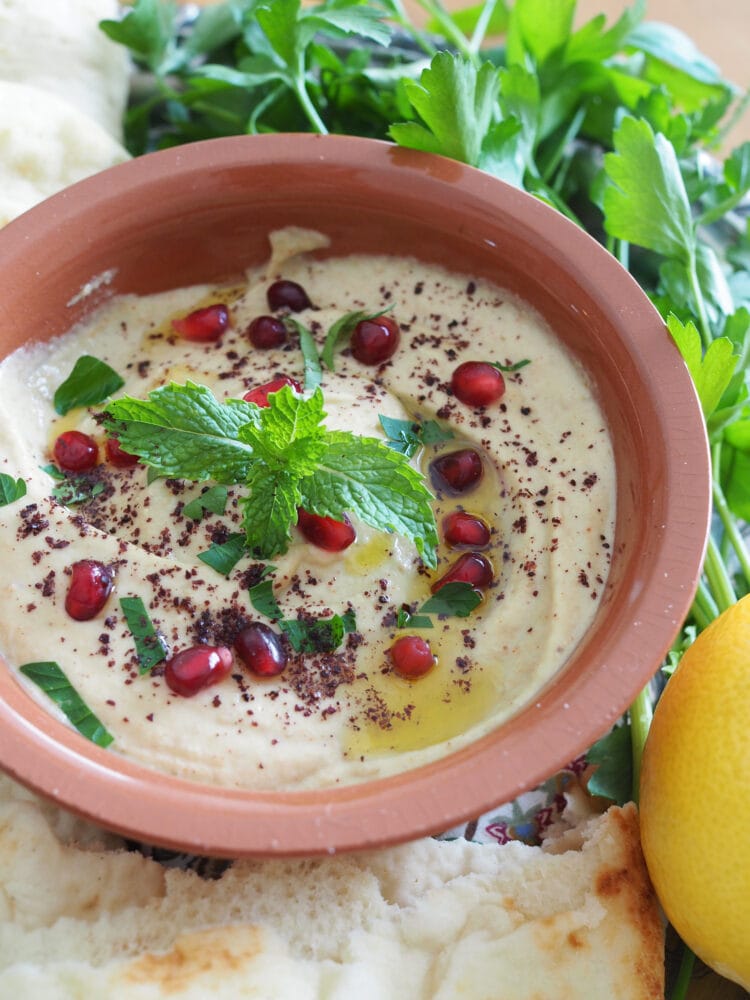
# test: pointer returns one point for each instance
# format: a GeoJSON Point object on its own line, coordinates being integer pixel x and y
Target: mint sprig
{"type": "Point", "coordinates": [285, 457]}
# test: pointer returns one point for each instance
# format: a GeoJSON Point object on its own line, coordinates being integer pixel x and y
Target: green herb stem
{"type": "Point", "coordinates": [704, 608]}
{"type": "Point", "coordinates": [685, 974]}
{"type": "Point", "coordinates": [456, 37]}
{"type": "Point", "coordinates": [718, 577]}
{"type": "Point", "coordinates": [731, 530]}
{"type": "Point", "coordinates": [641, 713]}
{"type": "Point", "coordinates": [300, 89]}
{"type": "Point", "coordinates": [478, 35]}
{"type": "Point", "coordinates": [700, 305]}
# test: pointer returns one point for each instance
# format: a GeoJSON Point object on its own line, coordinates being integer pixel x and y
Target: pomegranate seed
{"type": "Point", "coordinates": [203, 325]}
{"type": "Point", "coordinates": [457, 471]}
{"type": "Point", "coordinates": [75, 451]}
{"type": "Point", "coordinates": [260, 394]}
{"type": "Point", "coordinates": [267, 331]}
{"type": "Point", "coordinates": [411, 656]}
{"type": "Point", "coordinates": [193, 669]}
{"type": "Point", "coordinates": [472, 568]}
{"type": "Point", "coordinates": [375, 340]}
{"type": "Point", "coordinates": [90, 586]}
{"type": "Point", "coordinates": [477, 383]}
{"type": "Point", "coordinates": [115, 454]}
{"type": "Point", "coordinates": [260, 649]}
{"type": "Point", "coordinates": [287, 295]}
{"type": "Point", "coordinates": [326, 532]}
{"type": "Point", "coordinates": [462, 530]}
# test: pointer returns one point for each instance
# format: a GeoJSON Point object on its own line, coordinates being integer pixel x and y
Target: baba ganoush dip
{"type": "Point", "coordinates": [546, 496]}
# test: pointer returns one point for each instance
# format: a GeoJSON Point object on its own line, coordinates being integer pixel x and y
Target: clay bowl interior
{"type": "Point", "coordinates": [202, 213]}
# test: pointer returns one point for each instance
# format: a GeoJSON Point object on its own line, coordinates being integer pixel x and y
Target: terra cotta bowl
{"type": "Point", "coordinates": [202, 213]}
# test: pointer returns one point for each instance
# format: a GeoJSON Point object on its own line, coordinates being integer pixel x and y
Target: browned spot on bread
{"type": "Point", "coordinates": [212, 951]}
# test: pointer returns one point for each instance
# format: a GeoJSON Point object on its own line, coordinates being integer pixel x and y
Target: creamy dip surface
{"type": "Point", "coordinates": [547, 493]}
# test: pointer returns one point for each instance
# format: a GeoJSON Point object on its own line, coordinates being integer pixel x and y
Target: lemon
{"type": "Point", "coordinates": [695, 796]}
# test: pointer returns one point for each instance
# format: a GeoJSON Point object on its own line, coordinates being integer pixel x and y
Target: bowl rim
{"type": "Point", "coordinates": [58, 763]}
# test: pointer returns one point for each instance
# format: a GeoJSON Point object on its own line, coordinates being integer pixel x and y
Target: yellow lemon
{"type": "Point", "coordinates": [695, 796]}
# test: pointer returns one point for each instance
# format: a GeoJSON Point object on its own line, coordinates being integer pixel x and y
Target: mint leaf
{"type": "Point", "coordinates": [78, 489]}
{"type": "Point", "coordinates": [184, 432]}
{"type": "Point", "coordinates": [213, 500]}
{"type": "Point", "coordinates": [613, 777]}
{"type": "Point", "coordinates": [342, 329]}
{"type": "Point", "coordinates": [407, 436]}
{"type": "Point", "coordinates": [262, 596]}
{"type": "Point", "coordinates": [150, 647]}
{"type": "Point", "coordinates": [510, 368]}
{"type": "Point", "coordinates": [711, 372]}
{"type": "Point", "coordinates": [50, 678]}
{"type": "Point", "coordinates": [224, 556]}
{"type": "Point", "coordinates": [91, 381]}
{"type": "Point", "coordinates": [647, 202]}
{"type": "Point", "coordinates": [11, 489]}
{"type": "Point", "coordinates": [317, 635]}
{"type": "Point", "coordinates": [53, 471]}
{"type": "Point", "coordinates": [288, 436]}
{"type": "Point", "coordinates": [366, 477]}
{"type": "Point", "coordinates": [269, 510]}
{"type": "Point", "coordinates": [313, 373]}
{"type": "Point", "coordinates": [458, 599]}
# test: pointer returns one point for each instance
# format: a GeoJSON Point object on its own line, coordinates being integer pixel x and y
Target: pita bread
{"type": "Point", "coordinates": [58, 47]}
{"type": "Point", "coordinates": [432, 919]}
{"type": "Point", "coordinates": [45, 145]}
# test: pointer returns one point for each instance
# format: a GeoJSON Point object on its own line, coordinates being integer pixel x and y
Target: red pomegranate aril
{"type": "Point", "coordinates": [477, 383]}
{"type": "Point", "coordinates": [260, 394]}
{"type": "Point", "coordinates": [115, 454]}
{"type": "Point", "coordinates": [90, 586]}
{"type": "Point", "coordinates": [75, 451]}
{"type": "Point", "coordinates": [375, 340]}
{"type": "Point", "coordinates": [203, 325]}
{"type": "Point", "coordinates": [457, 471]}
{"type": "Point", "coordinates": [198, 667]}
{"type": "Point", "coordinates": [267, 331]}
{"type": "Point", "coordinates": [260, 649]}
{"type": "Point", "coordinates": [464, 530]}
{"type": "Point", "coordinates": [326, 532]}
{"type": "Point", "coordinates": [411, 656]}
{"type": "Point", "coordinates": [472, 568]}
{"type": "Point", "coordinates": [287, 295]}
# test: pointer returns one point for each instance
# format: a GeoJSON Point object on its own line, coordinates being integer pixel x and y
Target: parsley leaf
{"type": "Point", "coordinates": [313, 373]}
{"type": "Point", "coordinates": [150, 647]}
{"type": "Point", "coordinates": [510, 368]}
{"type": "Point", "coordinates": [91, 381]}
{"type": "Point", "coordinates": [317, 635]}
{"type": "Point", "coordinates": [184, 432]}
{"type": "Point", "coordinates": [212, 500]}
{"type": "Point", "coordinates": [262, 596]}
{"type": "Point", "coordinates": [647, 202]}
{"type": "Point", "coordinates": [11, 489]}
{"type": "Point", "coordinates": [711, 372]}
{"type": "Point", "coordinates": [51, 679]}
{"type": "Point", "coordinates": [452, 599]}
{"type": "Point", "coordinates": [224, 556]}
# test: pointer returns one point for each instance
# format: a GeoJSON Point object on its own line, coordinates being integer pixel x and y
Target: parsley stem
{"type": "Point", "coordinates": [641, 713]}
{"type": "Point", "coordinates": [303, 97]}
{"type": "Point", "coordinates": [704, 608]}
{"type": "Point", "coordinates": [718, 577]}
{"type": "Point", "coordinates": [685, 974]}
{"type": "Point", "coordinates": [700, 305]}
{"type": "Point", "coordinates": [732, 532]}
{"type": "Point", "coordinates": [488, 9]}
{"type": "Point", "coordinates": [457, 38]}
